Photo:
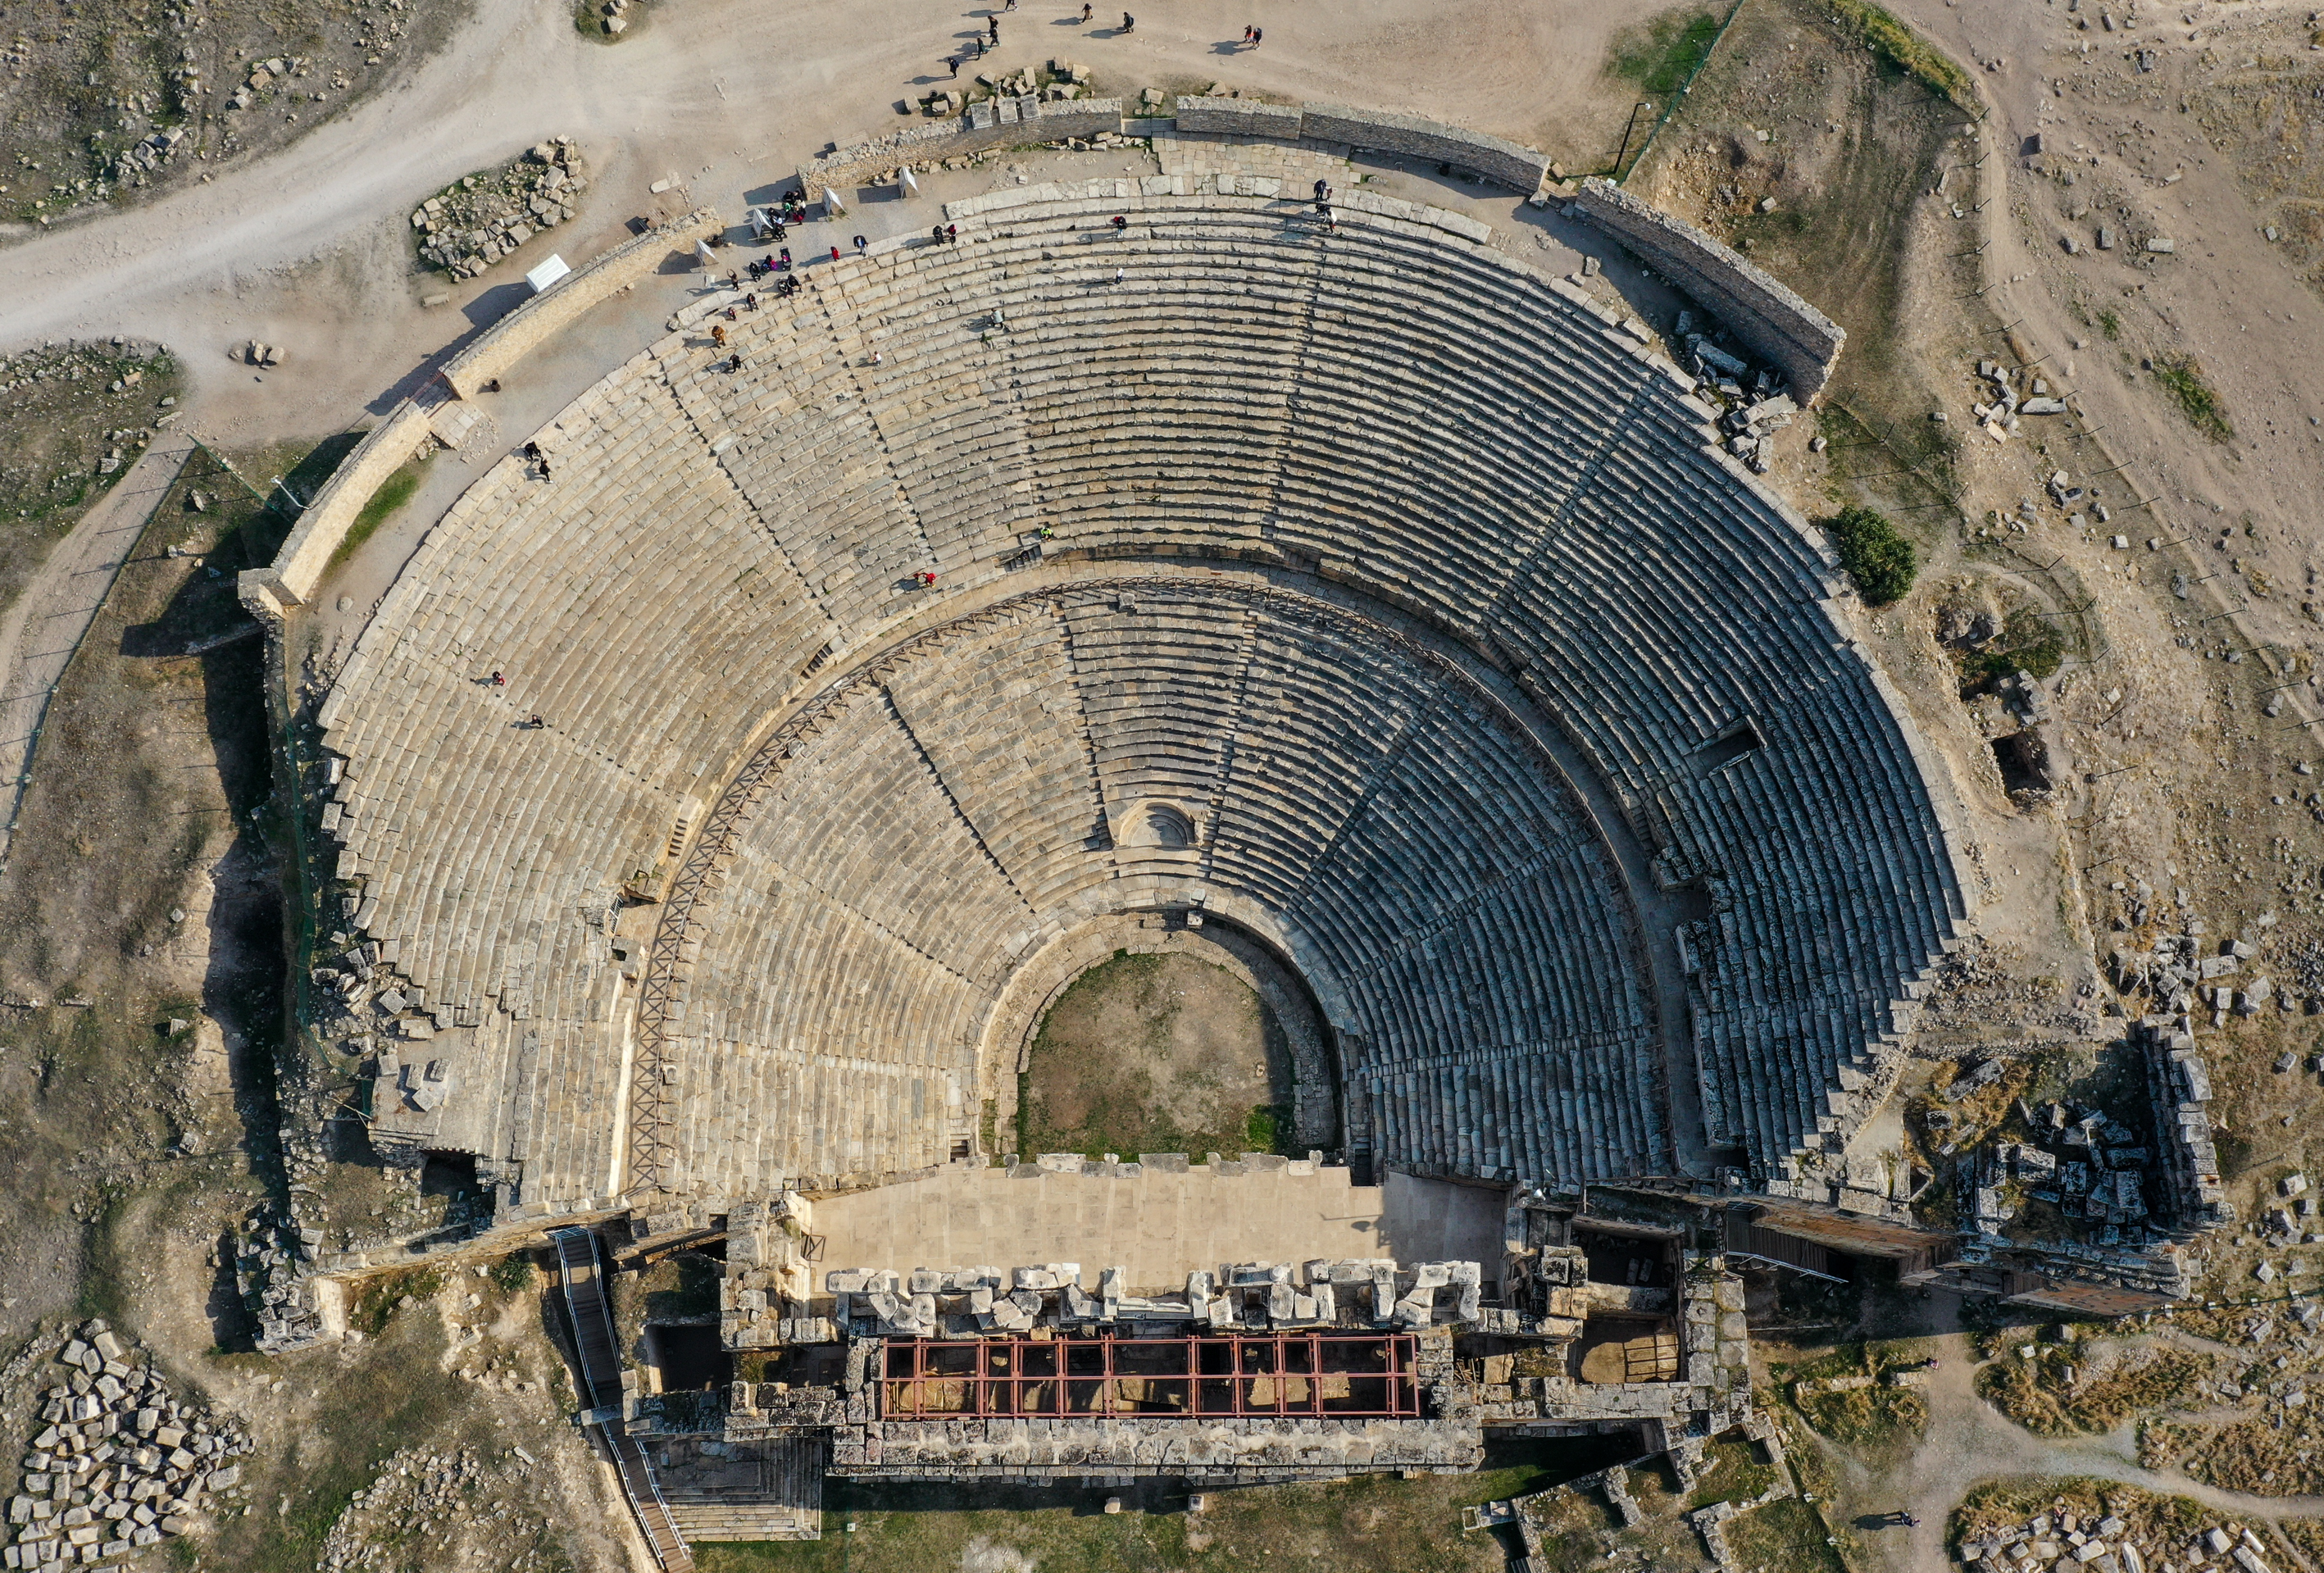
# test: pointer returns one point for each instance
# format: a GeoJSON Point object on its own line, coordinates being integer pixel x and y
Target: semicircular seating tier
{"type": "Point", "coordinates": [1396, 412]}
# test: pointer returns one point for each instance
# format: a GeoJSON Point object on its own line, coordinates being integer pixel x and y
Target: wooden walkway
{"type": "Point", "coordinates": [601, 1378]}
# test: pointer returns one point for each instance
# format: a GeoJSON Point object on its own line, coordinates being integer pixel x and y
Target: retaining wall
{"type": "Point", "coordinates": [298, 568]}
{"type": "Point", "coordinates": [1239, 117]}
{"type": "Point", "coordinates": [513, 337]}
{"type": "Point", "coordinates": [1762, 312]}
{"type": "Point", "coordinates": [1520, 168]}
{"type": "Point", "coordinates": [990, 123]}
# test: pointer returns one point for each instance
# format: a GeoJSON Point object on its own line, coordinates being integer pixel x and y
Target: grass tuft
{"type": "Point", "coordinates": [1907, 50]}
{"type": "Point", "coordinates": [2182, 377]}
{"type": "Point", "coordinates": [1658, 56]}
{"type": "Point", "coordinates": [1882, 561]}
{"type": "Point", "coordinates": [393, 493]}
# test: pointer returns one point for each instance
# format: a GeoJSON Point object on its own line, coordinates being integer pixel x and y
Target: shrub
{"type": "Point", "coordinates": [1880, 561]}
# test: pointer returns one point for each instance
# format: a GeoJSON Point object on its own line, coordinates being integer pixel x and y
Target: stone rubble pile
{"type": "Point", "coordinates": [117, 1463]}
{"type": "Point", "coordinates": [981, 1302]}
{"type": "Point", "coordinates": [477, 220]}
{"type": "Point", "coordinates": [270, 1269]}
{"type": "Point", "coordinates": [1999, 417]}
{"type": "Point", "coordinates": [411, 1488]}
{"type": "Point", "coordinates": [2061, 1540]}
{"type": "Point", "coordinates": [1755, 403]}
{"type": "Point", "coordinates": [1064, 79]}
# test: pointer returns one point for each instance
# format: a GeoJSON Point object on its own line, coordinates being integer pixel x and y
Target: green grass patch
{"type": "Point", "coordinates": [1369, 1521]}
{"type": "Point", "coordinates": [2182, 377]}
{"type": "Point", "coordinates": [1266, 1129]}
{"type": "Point", "coordinates": [393, 493]}
{"type": "Point", "coordinates": [515, 1273]}
{"type": "Point", "coordinates": [2036, 1395]}
{"type": "Point", "coordinates": [1882, 561]}
{"type": "Point", "coordinates": [2109, 323]}
{"type": "Point", "coordinates": [1906, 50]}
{"type": "Point", "coordinates": [374, 1304]}
{"type": "Point", "coordinates": [1783, 1534]}
{"type": "Point", "coordinates": [2029, 643]}
{"type": "Point", "coordinates": [1659, 55]}
{"type": "Point", "coordinates": [589, 20]}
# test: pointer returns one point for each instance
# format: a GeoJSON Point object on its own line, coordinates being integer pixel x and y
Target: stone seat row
{"type": "Point", "coordinates": [1296, 375]}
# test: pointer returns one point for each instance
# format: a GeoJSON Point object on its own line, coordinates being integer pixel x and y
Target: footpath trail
{"type": "Point", "coordinates": [307, 247]}
{"type": "Point", "coordinates": [1969, 1443]}
{"type": "Point", "coordinates": [44, 626]}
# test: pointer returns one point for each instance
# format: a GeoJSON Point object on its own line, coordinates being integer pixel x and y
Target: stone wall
{"type": "Point", "coordinates": [990, 123]}
{"type": "Point", "coordinates": [1223, 1449]}
{"type": "Point", "coordinates": [290, 580]}
{"type": "Point", "coordinates": [1520, 168]}
{"type": "Point", "coordinates": [513, 337]}
{"type": "Point", "coordinates": [1239, 117]}
{"type": "Point", "coordinates": [1763, 313]}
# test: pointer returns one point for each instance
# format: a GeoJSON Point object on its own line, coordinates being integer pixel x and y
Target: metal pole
{"type": "Point", "coordinates": [1628, 127]}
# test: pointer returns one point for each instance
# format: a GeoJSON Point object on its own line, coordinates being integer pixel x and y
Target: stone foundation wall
{"type": "Point", "coordinates": [297, 567]}
{"type": "Point", "coordinates": [1506, 163]}
{"type": "Point", "coordinates": [1247, 1451]}
{"type": "Point", "coordinates": [515, 335]}
{"type": "Point", "coordinates": [1239, 117]}
{"type": "Point", "coordinates": [1763, 313]}
{"type": "Point", "coordinates": [990, 123]}
{"type": "Point", "coordinates": [1520, 168]}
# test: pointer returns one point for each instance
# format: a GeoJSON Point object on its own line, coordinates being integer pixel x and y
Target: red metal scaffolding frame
{"type": "Point", "coordinates": [1327, 1376]}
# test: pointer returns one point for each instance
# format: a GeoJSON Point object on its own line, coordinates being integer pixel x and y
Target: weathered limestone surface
{"type": "Point", "coordinates": [1489, 456]}
{"type": "Point", "coordinates": [989, 123]}
{"type": "Point", "coordinates": [1763, 312]}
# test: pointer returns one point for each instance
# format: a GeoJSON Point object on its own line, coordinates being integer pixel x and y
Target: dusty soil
{"type": "Point", "coordinates": [73, 417]}
{"type": "Point", "coordinates": [107, 105]}
{"type": "Point", "coordinates": [327, 274]}
{"type": "Point", "coordinates": [1156, 1053]}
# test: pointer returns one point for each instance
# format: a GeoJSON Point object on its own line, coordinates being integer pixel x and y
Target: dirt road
{"type": "Point", "coordinates": [2108, 104]}
{"type": "Point", "coordinates": [1968, 1442]}
{"type": "Point", "coordinates": [306, 248]}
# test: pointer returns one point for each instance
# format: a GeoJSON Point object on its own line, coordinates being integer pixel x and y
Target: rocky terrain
{"type": "Point", "coordinates": [102, 105]}
{"type": "Point", "coordinates": [119, 1463]}
{"type": "Point", "coordinates": [478, 219]}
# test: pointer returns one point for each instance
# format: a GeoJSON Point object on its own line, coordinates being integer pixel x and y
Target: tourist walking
{"type": "Point", "coordinates": [1247, 30]}
{"type": "Point", "coordinates": [1258, 34]}
{"type": "Point", "coordinates": [954, 62]}
{"type": "Point", "coordinates": [1085, 13]}
{"type": "Point", "coordinates": [993, 22]}
{"type": "Point", "coordinates": [860, 243]}
{"type": "Point", "coordinates": [1129, 22]}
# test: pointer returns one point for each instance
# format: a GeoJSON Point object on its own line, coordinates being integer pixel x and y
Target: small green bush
{"type": "Point", "coordinates": [1880, 561]}
{"type": "Point", "coordinates": [2182, 378]}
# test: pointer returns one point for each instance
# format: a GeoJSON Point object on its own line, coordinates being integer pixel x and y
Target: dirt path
{"type": "Point", "coordinates": [306, 248]}
{"type": "Point", "coordinates": [2226, 294]}
{"type": "Point", "coordinates": [1969, 1443]}
{"type": "Point", "coordinates": [44, 626]}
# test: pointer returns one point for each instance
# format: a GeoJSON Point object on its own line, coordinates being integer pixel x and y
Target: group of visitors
{"type": "Point", "coordinates": [992, 31]}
